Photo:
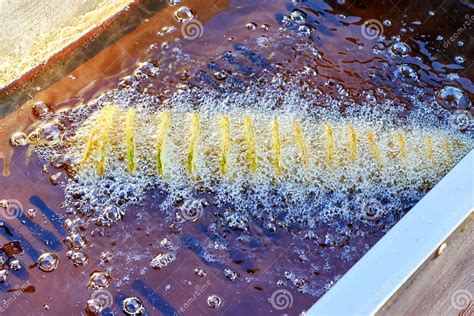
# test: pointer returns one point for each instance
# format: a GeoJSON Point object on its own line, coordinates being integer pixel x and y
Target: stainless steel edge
{"type": "Point", "coordinates": [368, 285]}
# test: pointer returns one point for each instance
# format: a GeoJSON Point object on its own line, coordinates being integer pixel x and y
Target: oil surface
{"type": "Point", "coordinates": [409, 66]}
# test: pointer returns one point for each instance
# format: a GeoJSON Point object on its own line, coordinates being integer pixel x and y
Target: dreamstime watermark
{"type": "Point", "coordinates": [192, 29]}
{"type": "Point", "coordinates": [10, 209]}
{"type": "Point", "coordinates": [99, 31]}
{"type": "Point", "coordinates": [6, 303]}
{"type": "Point", "coordinates": [372, 300]}
{"type": "Point", "coordinates": [191, 214]}
{"type": "Point", "coordinates": [372, 29]}
{"type": "Point", "coordinates": [103, 297]}
{"type": "Point", "coordinates": [372, 209]}
{"type": "Point", "coordinates": [468, 22]}
{"type": "Point", "coordinates": [281, 299]}
{"type": "Point", "coordinates": [199, 290]}
{"type": "Point", "coordinates": [462, 120]}
{"type": "Point", "coordinates": [461, 299]}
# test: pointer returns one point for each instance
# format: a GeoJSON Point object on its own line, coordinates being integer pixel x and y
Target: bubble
{"type": "Point", "coordinates": [19, 139]}
{"type": "Point", "coordinates": [128, 81]}
{"type": "Point", "coordinates": [4, 203]}
{"type": "Point", "coordinates": [439, 38]}
{"type": "Point", "coordinates": [231, 274]}
{"type": "Point", "coordinates": [407, 71]}
{"type": "Point", "coordinates": [133, 306]}
{"type": "Point", "coordinates": [184, 14]}
{"type": "Point", "coordinates": [167, 29]}
{"type": "Point", "coordinates": [452, 76]}
{"type": "Point", "coordinates": [3, 259]}
{"type": "Point", "coordinates": [265, 27]}
{"type": "Point", "coordinates": [75, 241]}
{"type": "Point", "coordinates": [162, 260]}
{"type": "Point", "coordinates": [99, 279]}
{"type": "Point", "coordinates": [55, 177]}
{"type": "Point", "coordinates": [296, 281]}
{"type": "Point", "coordinates": [459, 59]}
{"type": "Point", "coordinates": [165, 243]}
{"type": "Point", "coordinates": [110, 214]}
{"type": "Point", "coordinates": [311, 235]}
{"type": "Point", "coordinates": [93, 306]}
{"type": "Point", "coordinates": [371, 99]}
{"type": "Point", "coordinates": [298, 16]}
{"type": "Point", "coordinates": [31, 213]}
{"type": "Point", "coordinates": [148, 69]}
{"type": "Point", "coordinates": [106, 256]}
{"type": "Point", "coordinates": [15, 265]}
{"type": "Point", "coordinates": [200, 272]}
{"type": "Point", "coordinates": [460, 43]}
{"type": "Point", "coordinates": [400, 49]}
{"type": "Point", "coordinates": [68, 224]}
{"type": "Point", "coordinates": [174, 2]}
{"type": "Point", "coordinates": [271, 227]}
{"type": "Point", "coordinates": [48, 262]}
{"type": "Point", "coordinates": [453, 98]}
{"type": "Point", "coordinates": [78, 258]}
{"type": "Point", "coordinates": [304, 30]}
{"type": "Point", "coordinates": [310, 71]}
{"type": "Point", "coordinates": [47, 134]}
{"type": "Point", "coordinates": [252, 26]}
{"type": "Point", "coordinates": [236, 221]}
{"type": "Point", "coordinates": [214, 301]}
{"type": "Point", "coordinates": [57, 161]}
{"type": "Point", "coordinates": [221, 74]}
{"type": "Point", "coordinates": [41, 110]}
{"type": "Point", "coordinates": [3, 275]}
{"type": "Point", "coordinates": [387, 23]}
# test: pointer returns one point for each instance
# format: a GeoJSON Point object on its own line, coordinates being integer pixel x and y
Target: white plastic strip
{"type": "Point", "coordinates": [367, 286]}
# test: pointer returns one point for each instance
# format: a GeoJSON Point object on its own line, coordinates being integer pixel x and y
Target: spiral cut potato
{"type": "Point", "coordinates": [264, 148]}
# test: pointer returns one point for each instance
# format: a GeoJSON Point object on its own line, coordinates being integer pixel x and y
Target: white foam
{"type": "Point", "coordinates": [302, 194]}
